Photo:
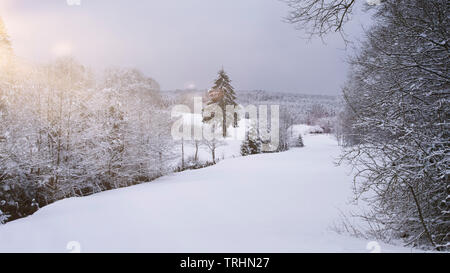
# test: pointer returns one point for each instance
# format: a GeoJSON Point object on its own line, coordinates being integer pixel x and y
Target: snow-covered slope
{"type": "Point", "coordinates": [283, 202]}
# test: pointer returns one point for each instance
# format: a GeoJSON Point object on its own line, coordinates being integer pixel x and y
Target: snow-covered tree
{"type": "Point", "coordinates": [396, 100]}
{"type": "Point", "coordinates": [300, 141]}
{"type": "Point", "coordinates": [214, 142]}
{"type": "Point", "coordinates": [252, 142]}
{"type": "Point", "coordinates": [395, 117]}
{"type": "Point", "coordinates": [65, 132]}
{"type": "Point", "coordinates": [223, 95]}
{"type": "Point", "coordinates": [212, 146]}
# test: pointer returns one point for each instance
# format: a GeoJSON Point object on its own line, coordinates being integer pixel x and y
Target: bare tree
{"type": "Point", "coordinates": [212, 146]}
{"type": "Point", "coordinates": [319, 17]}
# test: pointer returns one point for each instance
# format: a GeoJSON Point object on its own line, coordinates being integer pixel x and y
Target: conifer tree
{"type": "Point", "coordinates": [245, 146]}
{"type": "Point", "coordinates": [300, 141]}
{"type": "Point", "coordinates": [222, 94]}
{"type": "Point", "coordinates": [251, 144]}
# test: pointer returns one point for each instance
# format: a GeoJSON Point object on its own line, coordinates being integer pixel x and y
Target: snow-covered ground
{"type": "Point", "coordinates": [283, 202]}
{"type": "Point", "coordinates": [304, 129]}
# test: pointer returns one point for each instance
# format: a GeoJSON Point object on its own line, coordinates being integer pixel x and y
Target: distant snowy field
{"type": "Point", "coordinates": [283, 202]}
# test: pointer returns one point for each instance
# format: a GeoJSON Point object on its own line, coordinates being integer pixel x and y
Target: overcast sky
{"type": "Point", "coordinates": [182, 43]}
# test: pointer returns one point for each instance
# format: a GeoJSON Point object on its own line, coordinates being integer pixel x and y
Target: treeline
{"type": "Point", "coordinates": [320, 110]}
{"type": "Point", "coordinates": [295, 108]}
{"type": "Point", "coordinates": [299, 108]}
{"type": "Point", "coordinates": [65, 132]}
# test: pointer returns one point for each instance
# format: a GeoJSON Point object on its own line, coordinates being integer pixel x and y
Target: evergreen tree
{"type": "Point", "coordinates": [255, 146]}
{"type": "Point", "coordinates": [222, 94]}
{"type": "Point", "coordinates": [251, 144]}
{"type": "Point", "coordinates": [300, 141]}
{"type": "Point", "coordinates": [245, 146]}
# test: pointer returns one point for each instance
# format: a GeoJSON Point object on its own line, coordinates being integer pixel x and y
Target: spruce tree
{"type": "Point", "coordinates": [251, 144]}
{"type": "Point", "coordinates": [255, 146]}
{"type": "Point", "coordinates": [245, 147]}
{"type": "Point", "coordinates": [222, 94]}
{"type": "Point", "coordinates": [300, 141]}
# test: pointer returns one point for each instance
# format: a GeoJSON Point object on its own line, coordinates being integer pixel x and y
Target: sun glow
{"type": "Point", "coordinates": [190, 85]}
{"type": "Point", "coordinates": [63, 48]}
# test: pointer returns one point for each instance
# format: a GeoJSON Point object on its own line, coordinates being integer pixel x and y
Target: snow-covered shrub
{"type": "Point", "coordinates": [316, 130]}
{"type": "Point", "coordinates": [192, 164]}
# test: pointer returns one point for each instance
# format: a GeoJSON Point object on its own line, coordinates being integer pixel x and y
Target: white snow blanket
{"type": "Point", "coordinates": [283, 202]}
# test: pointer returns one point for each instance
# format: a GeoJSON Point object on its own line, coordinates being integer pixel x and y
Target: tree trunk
{"type": "Point", "coordinates": [224, 122]}
{"type": "Point", "coordinates": [182, 153]}
{"type": "Point", "coordinates": [196, 151]}
{"type": "Point", "coordinates": [419, 210]}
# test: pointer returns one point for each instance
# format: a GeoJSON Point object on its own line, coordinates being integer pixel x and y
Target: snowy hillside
{"type": "Point", "coordinates": [283, 202]}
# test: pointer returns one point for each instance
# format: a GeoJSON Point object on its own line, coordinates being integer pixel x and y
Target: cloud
{"type": "Point", "coordinates": [180, 42]}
